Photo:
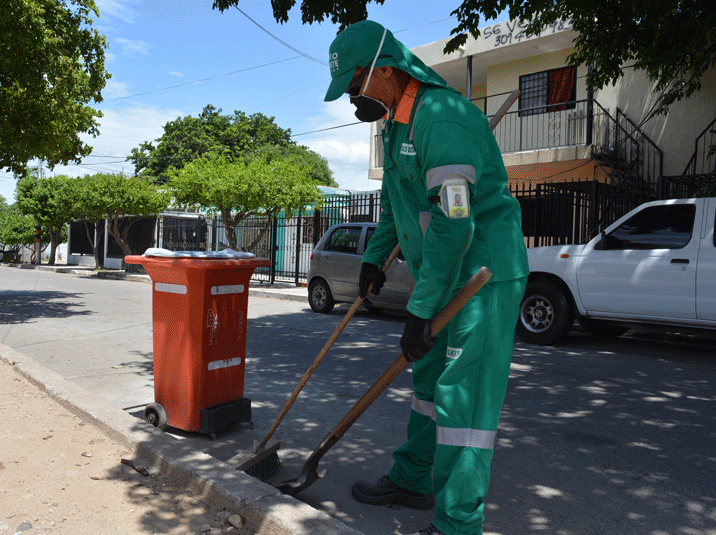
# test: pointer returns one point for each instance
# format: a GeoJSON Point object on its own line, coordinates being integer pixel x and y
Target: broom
{"type": "Point", "coordinates": [261, 461]}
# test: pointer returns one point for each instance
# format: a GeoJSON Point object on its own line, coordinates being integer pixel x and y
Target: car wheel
{"type": "Point", "coordinates": [320, 297]}
{"type": "Point", "coordinates": [602, 329]}
{"type": "Point", "coordinates": [546, 314]}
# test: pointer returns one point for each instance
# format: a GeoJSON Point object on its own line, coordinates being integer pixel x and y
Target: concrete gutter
{"type": "Point", "coordinates": [267, 511]}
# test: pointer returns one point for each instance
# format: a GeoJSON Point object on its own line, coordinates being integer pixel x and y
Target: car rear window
{"type": "Point", "coordinates": [344, 240]}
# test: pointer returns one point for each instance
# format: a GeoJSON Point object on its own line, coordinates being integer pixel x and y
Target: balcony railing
{"type": "Point", "coordinates": [544, 127]}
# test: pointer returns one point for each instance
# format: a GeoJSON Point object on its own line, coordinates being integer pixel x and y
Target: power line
{"type": "Point", "coordinates": [284, 43]}
{"type": "Point", "coordinates": [324, 129]}
{"type": "Point", "coordinates": [201, 80]}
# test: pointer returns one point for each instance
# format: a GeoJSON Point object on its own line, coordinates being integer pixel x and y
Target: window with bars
{"type": "Point", "coordinates": [548, 91]}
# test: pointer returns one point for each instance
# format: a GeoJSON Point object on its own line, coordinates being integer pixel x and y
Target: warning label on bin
{"type": "Point", "coordinates": [170, 288]}
{"type": "Point", "coordinates": [227, 289]}
{"type": "Point", "coordinates": [226, 363]}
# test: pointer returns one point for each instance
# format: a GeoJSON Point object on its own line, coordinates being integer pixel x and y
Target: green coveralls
{"type": "Point", "coordinates": [460, 384]}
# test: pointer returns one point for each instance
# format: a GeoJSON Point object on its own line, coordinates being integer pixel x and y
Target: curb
{"type": "Point", "coordinates": [267, 511]}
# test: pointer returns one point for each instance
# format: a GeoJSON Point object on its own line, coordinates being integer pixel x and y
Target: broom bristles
{"type": "Point", "coordinates": [266, 468]}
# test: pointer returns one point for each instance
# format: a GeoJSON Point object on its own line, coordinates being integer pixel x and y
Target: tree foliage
{"type": "Point", "coordinates": [188, 138]}
{"type": "Point", "coordinates": [121, 200]}
{"type": "Point", "coordinates": [51, 68]}
{"type": "Point", "coordinates": [673, 41]}
{"type": "Point", "coordinates": [17, 229]}
{"type": "Point", "coordinates": [238, 189]}
{"type": "Point", "coordinates": [47, 201]}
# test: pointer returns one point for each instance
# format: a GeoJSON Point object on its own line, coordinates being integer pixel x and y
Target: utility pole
{"type": "Point", "coordinates": [38, 228]}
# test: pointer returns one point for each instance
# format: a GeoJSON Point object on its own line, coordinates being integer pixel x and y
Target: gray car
{"type": "Point", "coordinates": [335, 268]}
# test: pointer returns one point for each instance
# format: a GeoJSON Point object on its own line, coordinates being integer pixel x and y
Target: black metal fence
{"type": "Point", "coordinates": [552, 214]}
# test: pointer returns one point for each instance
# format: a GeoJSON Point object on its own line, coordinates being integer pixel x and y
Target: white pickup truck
{"type": "Point", "coordinates": [654, 267]}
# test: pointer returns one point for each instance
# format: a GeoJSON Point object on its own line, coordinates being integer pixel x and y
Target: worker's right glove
{"type": "Point", "coordinates": [370, 273]}
{"type": "Point", "coordinates": [416, 340]}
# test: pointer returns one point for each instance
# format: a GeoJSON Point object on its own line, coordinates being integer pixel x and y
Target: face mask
{"type": "Point", "coordinates": [368, 109]}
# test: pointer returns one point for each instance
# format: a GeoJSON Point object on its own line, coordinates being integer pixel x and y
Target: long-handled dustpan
{"type": "Point", "coordinates": [309, 472]}
{"type": "Point", "coordinates": [249, 458]}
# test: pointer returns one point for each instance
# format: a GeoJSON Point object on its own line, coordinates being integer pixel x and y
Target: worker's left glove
{"type": "Point", "coordinates": [416, 340]}
{"type": "Point", "coordinates": [370, 273]}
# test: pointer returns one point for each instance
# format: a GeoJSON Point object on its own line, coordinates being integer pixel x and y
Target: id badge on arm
{"type": "Point", "coordinates": [455, 198]}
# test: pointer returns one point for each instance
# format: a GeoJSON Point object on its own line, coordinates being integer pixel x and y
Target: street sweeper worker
{"type": "Point", "coordinates": [444, 198]}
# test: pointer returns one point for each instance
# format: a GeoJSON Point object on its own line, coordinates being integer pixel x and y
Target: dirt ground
{"type": "Point", "coordinates": [60, 475]}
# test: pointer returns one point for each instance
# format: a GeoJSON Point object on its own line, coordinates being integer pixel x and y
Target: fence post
{"type": "Point", "coordinates": [538, 207]}
{"type": "Point", "coordinates": [316, 226]}
{"type": "Point", "coordinates": [274, 247]}
{"type": "Point", "coordinates": [590, 113]}
{"type": "Point", "coordinates": [298, 247]}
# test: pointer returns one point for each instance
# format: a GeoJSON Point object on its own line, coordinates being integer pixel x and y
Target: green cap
{"type": "Point", "coordinates": [357, 45]}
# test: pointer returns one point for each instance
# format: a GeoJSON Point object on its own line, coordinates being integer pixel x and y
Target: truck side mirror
{"type": "Point", "coordinates": [602, 244]}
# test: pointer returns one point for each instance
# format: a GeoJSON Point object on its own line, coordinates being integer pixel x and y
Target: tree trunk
{"type": "Point", "coordinates": [230, 229]}
{"type": "Point", "coordinates": [55, 234]}
{"type": "Point", "coordinates": [122, 242]}
{"type": "Point", "coordinates": [94, 241]}
{"type": "Point", "coordinates": [262, 233]}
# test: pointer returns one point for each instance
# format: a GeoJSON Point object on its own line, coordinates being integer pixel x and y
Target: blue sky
{"type": "Point", "coordinates": [170, 59]}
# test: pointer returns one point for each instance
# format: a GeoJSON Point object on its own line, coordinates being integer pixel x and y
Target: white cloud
{"type": "Point", "coordinates": [121, 130]}
{"type": "Point", "coordinates": [133, 47]}
{"type": "Point", "coordinates": [346, 149]}
{"type": "Point", "coordinates": [175, 73]}
{"type": "Point", "coordinates": [115, 89]}
{"type": "Point", "coordinates": [117, 8]}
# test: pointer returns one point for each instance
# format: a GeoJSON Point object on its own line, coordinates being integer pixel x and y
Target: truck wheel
{"type": "Point", "coordinates": [546, 314]}
{"type": "Point", "coordinates": [320, 297]}
{"type": "Point", "coordinates": [602, 329]}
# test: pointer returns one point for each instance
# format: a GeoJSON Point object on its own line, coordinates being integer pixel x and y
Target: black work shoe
{"type": "Point", "coordinates": [385, 492]}
{"type": "Point", "coordinates": [430, 530]}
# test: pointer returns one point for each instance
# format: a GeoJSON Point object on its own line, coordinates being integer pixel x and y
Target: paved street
{"type": "Point", "coordinates": [596, 437]}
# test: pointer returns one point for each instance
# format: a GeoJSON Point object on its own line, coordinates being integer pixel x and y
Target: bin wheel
{"type": "Point", "coordinates": [155, 414]}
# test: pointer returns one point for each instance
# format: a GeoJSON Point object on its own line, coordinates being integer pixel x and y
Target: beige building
{"type": "Point", "coordinates": [589, 156]}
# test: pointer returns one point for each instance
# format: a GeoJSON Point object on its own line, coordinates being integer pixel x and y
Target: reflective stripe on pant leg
{"type": "Point", "coordinates": [468, 399]}
{"type": "Point", "coordinates": [413, 464]}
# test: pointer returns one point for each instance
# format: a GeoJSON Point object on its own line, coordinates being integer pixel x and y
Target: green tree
{"type": "Point", "coordinates": [46, 200]}
{"type": "Point", "coordinates": [187, 138]}
{"type": "Point", "coordinates": [121, 200]}
{"type": "Point", "coordinates": [17, 229]}
{"type": "Point", "coordinates": [673, 41]}
{"type": "Point", "coordinates": [51, 68]}
{"type": "Point", "coordinates": [238, 189]}
{"type": "Point", "coordinates": [314, 164]}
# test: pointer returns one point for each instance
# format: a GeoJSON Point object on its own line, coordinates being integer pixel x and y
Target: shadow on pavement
{"type": "Point", "coordinates": [23, 306]}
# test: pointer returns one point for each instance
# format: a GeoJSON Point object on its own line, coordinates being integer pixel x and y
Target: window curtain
{"type": "Point", "coordinates": [561, 87]}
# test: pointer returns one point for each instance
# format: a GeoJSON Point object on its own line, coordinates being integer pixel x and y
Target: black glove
{"type": "Point", "coordinates": [416, 340]}
{"type": "Point", "coordinates": [370, 273]}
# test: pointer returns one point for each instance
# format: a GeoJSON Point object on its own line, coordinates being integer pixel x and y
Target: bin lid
{"type": "Point", "coordinates": [226, 254]}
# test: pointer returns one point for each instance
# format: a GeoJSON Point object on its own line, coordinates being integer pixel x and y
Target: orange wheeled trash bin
{"type": "Point", "coordinates": [199, 305]}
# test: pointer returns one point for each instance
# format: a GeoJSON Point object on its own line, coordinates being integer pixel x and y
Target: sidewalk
{"type": "Point", "coordinates": [277, 290]}
{"type": "Point", "coordinates": [117, 475]}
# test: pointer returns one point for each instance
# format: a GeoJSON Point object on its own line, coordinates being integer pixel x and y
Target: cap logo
{"type": "Point", "coordinates": [333, 62]}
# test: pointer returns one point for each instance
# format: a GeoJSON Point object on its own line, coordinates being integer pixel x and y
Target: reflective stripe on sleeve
{"type": "Point", "coordinates": [466, 437]}
{"type": "Point", "coordinates": [437, 175]}
{"type": "Point", "coordinates": [426, 408]}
